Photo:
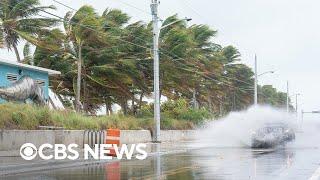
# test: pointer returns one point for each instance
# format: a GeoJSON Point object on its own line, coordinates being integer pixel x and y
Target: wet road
{"type": "Point", "coordinates": [206, 163]}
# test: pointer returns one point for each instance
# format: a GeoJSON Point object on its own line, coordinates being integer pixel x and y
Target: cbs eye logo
{"type": "Point", "coordinates": [28, 151]}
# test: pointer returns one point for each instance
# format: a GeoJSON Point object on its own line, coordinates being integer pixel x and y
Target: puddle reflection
{"type": "Point", "coordinates": [213, 163]}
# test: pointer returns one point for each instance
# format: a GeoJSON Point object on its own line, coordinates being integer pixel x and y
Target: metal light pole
{"type": "Point", "coordinates": [156, 76]}
{"type": "Point", "coordinates": [156, 81]}
{"type": "Point", "coordinates": [287, 96]}
{"type": "Point", "coordinates": [255, 80]}
{"type": "Point", "coordinates": [302, 112]}
{"type": "Point", "coordinates": [298, 94]}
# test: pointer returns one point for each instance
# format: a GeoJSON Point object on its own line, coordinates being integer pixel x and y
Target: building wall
{"type": "Point", "coordinates": [5, 69]}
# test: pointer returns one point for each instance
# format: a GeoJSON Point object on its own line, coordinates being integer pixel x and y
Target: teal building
{"type": "Point", "coordinates": [11, 71]}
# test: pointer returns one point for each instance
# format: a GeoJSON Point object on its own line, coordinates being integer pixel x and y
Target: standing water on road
{"type": "Point", "coordinates": [225, 147]}
{"type": "Point", "coordinates": [224, 153]}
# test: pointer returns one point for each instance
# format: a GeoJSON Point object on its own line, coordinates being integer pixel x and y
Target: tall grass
{"type": "Point", "coordinates": [23, 116]}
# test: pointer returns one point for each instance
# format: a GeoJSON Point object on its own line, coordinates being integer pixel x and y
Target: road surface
{"type": "Point", "coordinates": [285, 163]}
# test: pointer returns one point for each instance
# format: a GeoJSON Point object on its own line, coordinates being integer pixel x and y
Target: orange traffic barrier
{"type": "Point", "coordinates": [113, 137]}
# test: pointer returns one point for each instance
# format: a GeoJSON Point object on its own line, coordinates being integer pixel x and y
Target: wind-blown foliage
{"type": "Point", "coordinates": [18, 22]}
{"type": "Point", "coordinates": [118, 72]}
{"type": "Point", "coordinates": [113, 60]}
{"type": "Point", "coordinates": [270, 96]}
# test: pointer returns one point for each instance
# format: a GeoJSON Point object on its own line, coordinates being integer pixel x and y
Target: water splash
{"type": "Point", "coordinates": [235, 130]}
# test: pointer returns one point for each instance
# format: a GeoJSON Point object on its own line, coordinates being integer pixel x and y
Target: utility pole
{"type": "Point", "coordinates": [156, 81]}
{"type": "Point", "coordinates": [255, 80]}
{"type": "Point", "coordinates": [297, 103]}
{"type": "Point", "coordinates": [302, 116]}
{"type": "Point", "coordinates": [287, 96]}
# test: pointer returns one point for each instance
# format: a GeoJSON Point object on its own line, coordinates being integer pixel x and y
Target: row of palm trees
{"type": "Point", "coordinates": [106, 59]}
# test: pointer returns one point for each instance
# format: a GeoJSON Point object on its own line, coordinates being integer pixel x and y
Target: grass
{"type": "Point", "coordinates": [28, 117]}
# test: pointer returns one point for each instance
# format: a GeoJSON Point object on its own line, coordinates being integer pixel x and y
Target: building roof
{"type": "Point", "coordinates": [26, 66]}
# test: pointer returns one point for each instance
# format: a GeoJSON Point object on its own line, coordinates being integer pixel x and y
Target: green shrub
{"type": "Point", "coordinates": [197, 116]}
{"type": "Point", "coordinates": [177, 110]}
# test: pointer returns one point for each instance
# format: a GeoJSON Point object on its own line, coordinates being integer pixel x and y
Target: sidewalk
{"type": "Point", "coordinates": [12, 163]}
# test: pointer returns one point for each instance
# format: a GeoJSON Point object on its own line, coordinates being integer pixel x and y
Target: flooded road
{"type": "Point", "coordinates": [205, 163]}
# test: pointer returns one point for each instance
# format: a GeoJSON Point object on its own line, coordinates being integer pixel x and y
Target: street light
{"type": "Point", "coordinates": [271, 72]}
{"type": "Point", "coordinates": [174, 22]}
{"type": "Point", "coordinates": [256, 79]}
{"type": "Point", "coordinates": [156, 80]}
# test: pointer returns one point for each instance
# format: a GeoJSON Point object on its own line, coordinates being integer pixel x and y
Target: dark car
{"type": "Point", "coordinates": [272, 135]}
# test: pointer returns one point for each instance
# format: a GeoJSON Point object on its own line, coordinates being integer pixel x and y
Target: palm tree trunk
{"type": "Point", "coordinates": [108, 106]}
{"type": "Point", "coordinates": [78, 104]}
{"type": "Point", "coordinates": [124, 106]}
{"type": "Point", "coordinates": [132, 105]}
{"type": "Point", "coordinates": [140, 99]}
{"type": "Point", "coordinates": [210, 104]}
{"type": "Point", "coordinates": [85, 95]}
{"type": "Point", "coordinates": [16, 52]}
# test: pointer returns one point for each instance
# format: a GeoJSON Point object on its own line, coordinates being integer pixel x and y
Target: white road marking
{"type": "Point", "coordinates": [316, 175]}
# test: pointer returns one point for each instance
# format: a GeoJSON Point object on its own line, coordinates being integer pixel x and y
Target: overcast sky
{"type": "Point", "coordinates": [285, 34]}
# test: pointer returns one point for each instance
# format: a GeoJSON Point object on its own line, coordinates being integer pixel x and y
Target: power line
{"type": "Point", "coordinates": [64, 5]}
{"type": "Point", "coordinates": [90, 27]}
{"type": "Point", "coordinates": [214, 79]}
{"type": "Point", "coordinates": [119, 1]}
{"type": "Point", "coordinates": [188, 5]}
{"type": "Point", "coordinates": [208, 77]}
{"type": "Point", "coordinates": [61, 19]}
{"type": "Point", "coordinates": [135, 7]}
{"type": "Point", "coordinates": [251, 84]}
{"type": "Point", "coordinates": [109, 27]}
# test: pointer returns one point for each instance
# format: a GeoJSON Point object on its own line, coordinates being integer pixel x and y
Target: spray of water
{"type": "Point", "coordinates": [224, 145]}
{"type": "Point", "coordinates": [236, 129]}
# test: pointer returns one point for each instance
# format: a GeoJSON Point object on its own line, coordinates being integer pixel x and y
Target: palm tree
{"type": "Point", "coordinates": [82, 29]}
{"type": "Point", "coordinates": [18, 22]}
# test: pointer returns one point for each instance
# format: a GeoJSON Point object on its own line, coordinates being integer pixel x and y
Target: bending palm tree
{"type": "Point", "coordinates": [17, 22]}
